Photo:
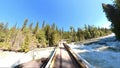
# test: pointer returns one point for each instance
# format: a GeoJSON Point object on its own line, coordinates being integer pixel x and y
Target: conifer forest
{"type": "Point", "coordinates": [29, 37]}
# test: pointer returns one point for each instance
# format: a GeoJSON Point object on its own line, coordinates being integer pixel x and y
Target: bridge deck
{"type": "Point", "coordinates": [63, 59]}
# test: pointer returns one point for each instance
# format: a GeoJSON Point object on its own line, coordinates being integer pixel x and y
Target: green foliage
{"type": "Point", "coordinates": [61, 31]}
{"type": "Point", "coordinates": [30, 26]}
{"type": "Point", "coordinates": [25, 45]}
{"type": "Point", "coordinates": [29, 37]}
{"type": "Point", "coordinates": [3, 32]}
{"type": "Point", "coordinates": [41, 38]}
{"type": "Point", "coordinates": [5, 45]}
{"type": "Point", "coordinates": [113, 14]}
{"type": "Point", "coordinates": [54, 39]}
{"type": "Point", "coordinates": [47, 31]}
{"type": "Point", "coordinates": [80, 34]}
{"type": "Point", "coordinates": [87, 32]}
{"type": "Point", "coordinates": [24, 48]}
{"type": "Point", "coordinates": [1, 26]}
{"type": "Point", "coordinates": [24, 25]}
{"type": "Point", "coordinates": [52, 34]}
{"type": "Point", "coordinates": [66, 35]}
{"type": "Point", "coordinates": [117, 3]}
{"type": "Point", "coordinates": [2, 36]}
{"type": "Point", "coordinates": [73, 37]}
{"type": "Point", "coordinates": [43, 24]}
{"type": "Point", "coordinates": [36, 28]}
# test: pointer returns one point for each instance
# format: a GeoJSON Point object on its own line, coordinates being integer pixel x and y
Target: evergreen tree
{"type": "Point", "coordinates": [87, 33]}
{"type": "Point", "coordinates": [6, 26]}
{"type": "Point", "coordinates": [2, 34]}
{"type": "Point", "coordinates": [113, 15]}
{"type": "Point", "coordinates": [54, 37]}
{"type": "Point", "coordinates": [25, 45]}
{"type": "Point", "coordinates": [71, 33]}
{"type": "Point", "coordinates": [80, 34]}
{"type": "Point", "coordinates": [41, 38]}
{"type": "Point", "coordinates": [117, 3]}
{"type": "Point", "coordinates": [47, 31]}
{"type": "Point", "coordinates": [24, 25]}
{"type": "Point", "coordinates": [36, 28]}
{"type": "Point", "coordinates": [30, 26]}
{"type": "Point", "coordinates": [13, 34]}
{"type": "Point", "coordinates": [43, 24]}
{"type": "Point", "coordinates": [61, 33]}
{"type": "Point", "coordinates": [22, 38]}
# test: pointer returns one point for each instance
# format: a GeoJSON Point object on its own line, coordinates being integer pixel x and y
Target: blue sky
{"type": "Point", "coordinates": [64, 13]}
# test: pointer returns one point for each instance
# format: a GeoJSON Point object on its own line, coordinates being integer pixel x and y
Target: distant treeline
{"type": "Point", "coordinates": [28, 37]}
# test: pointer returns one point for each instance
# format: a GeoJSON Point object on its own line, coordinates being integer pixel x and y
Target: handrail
{"type": "Point", "coordinates": [82, 62]}
{"type": "Point", "coordinates": [51, 58]}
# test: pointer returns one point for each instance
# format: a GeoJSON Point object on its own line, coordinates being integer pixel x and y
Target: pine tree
{"type": "Point", "coordinates": [117, 3]}
{"type": "Point", "coordinates": [80, 34]}
{"type": "Point", "coordinates": [43, 24]}
{"type": "Point", "coordinates": [13, 34]}
{"type": "Point", "coordinates": [36, 28]}
{"type": "Point", "coordinates": [2, 34]}
{"type": "Point", "coordinates": [87, 33]}
{"type": "Point", "coordinates": [6, 26]}
{"type": "Point", "coordinates": [61, 34]}
{"type": "Point", "coordinates": [30, 26]}
{"type": "Point", "coordinates": [25, 45]}
{"type": "Point", "coordinates": [54, 38]}
{"type": "Point", "coordinates": [71, 33]}
{"type": "Point", "coordinates": [113, 15]}
{"type": "Point", "coordinates": [24, 25]}
{"type": "Point", "coordinates": [41, 38]}
{"type": "Point", "coordinates": [47, 31]}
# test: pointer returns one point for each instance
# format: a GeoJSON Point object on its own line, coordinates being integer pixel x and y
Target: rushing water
{"type": "Point", "coordinates": [102, 54]}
